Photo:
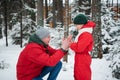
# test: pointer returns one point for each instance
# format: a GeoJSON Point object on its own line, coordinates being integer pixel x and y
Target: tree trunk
{"type": "Point", "coordinates": [21, 32]}
{"type": "Point", "coordinates": [40, 20]}
{"type": "Point", "coordinates": [112, 3]}
{"type": "Point", "coordinates": [117, 10]}
{"type": "Point", "coordinates": [5, 20]}
{"type": "Point", "coordinates": [1, 32]}
{"type": "Point", "coordinates": [54, 12]}
{"type": "Point", "coordinates": [0, 26]}
{"type": "Point", "coordinates": [66, 28]}
{"type": "Point", "coordinates": [1, 21]}
{"type": "Point", "coordinates": [60, 12]}
{"type": "Point", "coordinates": [46, 9]}
{"type": "Point", "coordinates": [96, 17]}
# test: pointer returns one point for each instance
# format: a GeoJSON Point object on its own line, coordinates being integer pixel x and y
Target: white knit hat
{"type": "Point", "coordinates": [42, 33]}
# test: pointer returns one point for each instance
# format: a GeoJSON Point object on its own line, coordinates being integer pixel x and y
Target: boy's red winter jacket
{"type": "Point", "coordinates": [82, 48]}
{"type": "Point", "coordinates": [33, 58]}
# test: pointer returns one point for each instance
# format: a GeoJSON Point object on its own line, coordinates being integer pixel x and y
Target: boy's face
{"type": "Point", "coordinates": [46, 40]}
{"type": "Point", "coordinates": [78, 27]}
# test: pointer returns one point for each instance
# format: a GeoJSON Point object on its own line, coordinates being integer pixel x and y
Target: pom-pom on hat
{"type": "Point", "coordinates": [80, 19]}
{"type": "Point", "coordinates": [42, 33]}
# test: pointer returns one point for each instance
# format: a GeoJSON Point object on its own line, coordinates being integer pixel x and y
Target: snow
{"type": "Point", "coordinates": [100, 67]}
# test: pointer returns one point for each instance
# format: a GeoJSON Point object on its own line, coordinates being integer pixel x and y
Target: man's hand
{"type": "Point", "coordinates": [65, 44]}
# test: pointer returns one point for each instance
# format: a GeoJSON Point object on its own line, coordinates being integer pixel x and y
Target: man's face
{"type": "Point", "coordinates": [46, 40]}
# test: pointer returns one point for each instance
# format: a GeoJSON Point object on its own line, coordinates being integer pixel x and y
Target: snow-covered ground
{"type": "Point", "coordinates": [9, 56]}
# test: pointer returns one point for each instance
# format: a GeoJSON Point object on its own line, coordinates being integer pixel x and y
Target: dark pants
{"type": "Point", "coordinates": [54, 71]}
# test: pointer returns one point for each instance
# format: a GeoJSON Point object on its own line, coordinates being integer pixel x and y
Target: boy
{"type": "Point", "coordinates": [82, 46]}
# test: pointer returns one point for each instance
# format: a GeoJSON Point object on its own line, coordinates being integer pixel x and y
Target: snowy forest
{"type": "Point", "coordinates": [20, 18]}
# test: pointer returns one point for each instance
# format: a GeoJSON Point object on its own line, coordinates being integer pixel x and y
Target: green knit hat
{"type": "Point", "coordinates": [80, 19]}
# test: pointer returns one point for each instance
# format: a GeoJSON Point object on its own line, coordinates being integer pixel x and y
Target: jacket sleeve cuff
{"type": "Point", "coordinates": [65, 51]}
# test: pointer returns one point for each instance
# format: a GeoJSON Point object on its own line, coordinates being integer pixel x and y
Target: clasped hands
{"type": "Point", "coordinates": [66, 42]}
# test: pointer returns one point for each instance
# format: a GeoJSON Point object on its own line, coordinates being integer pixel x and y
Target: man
{"type": "Point", "coordinates": [38, 59]}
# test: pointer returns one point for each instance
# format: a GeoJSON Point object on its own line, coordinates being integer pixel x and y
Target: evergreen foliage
{"type": "Point", "coordinates": [111, 40]}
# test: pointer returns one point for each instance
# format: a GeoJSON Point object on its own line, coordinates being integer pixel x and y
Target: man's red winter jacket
{"type": "Point", "coordinates": [33, 58]}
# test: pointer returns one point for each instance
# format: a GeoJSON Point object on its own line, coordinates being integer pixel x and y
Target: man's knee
{"type": "Point", "coordinates": [59, 64]}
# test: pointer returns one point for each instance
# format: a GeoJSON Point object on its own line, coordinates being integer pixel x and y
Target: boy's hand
{"type": "Point", "coordinates": [69, 38]}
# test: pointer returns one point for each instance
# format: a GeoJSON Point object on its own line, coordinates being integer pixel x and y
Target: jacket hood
{"type": "Point", "coordinates": [34, 38]}
{"type": "Point", "coordinates": [89, 24]}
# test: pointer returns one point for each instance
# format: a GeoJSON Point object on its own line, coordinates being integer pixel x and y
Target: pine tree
{"type": "Point", "coordinates": [23, 22]}
{"type": "Point", "coordinates": [107, 24]}
{"type": "Point", "coordinates": [85, 6]}
{"type": "Point", "coordinates": [115, 52]}
{"type": "Point", "coordinates": [111, 39]}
